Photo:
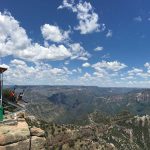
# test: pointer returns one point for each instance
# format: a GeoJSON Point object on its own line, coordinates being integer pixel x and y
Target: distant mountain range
{"type": "Point", "coordinates": [73, 104]}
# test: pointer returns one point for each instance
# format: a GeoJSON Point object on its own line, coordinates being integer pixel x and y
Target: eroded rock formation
{"type": "Point", "coordinates": [20, 136]}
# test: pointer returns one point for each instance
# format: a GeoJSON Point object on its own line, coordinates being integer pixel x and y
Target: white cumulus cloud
{"type": "Point", "coordinates": [54, 33]}
{"type": "Point", "coordinates": [78, 52]}
{"type": "Point", "coordinates": [99, 48]}
{"type": "Point", "coordinates": [20, 72]}
{"type": "Point", "coordinates": [86, 64]}
{"type": "Point", "coordinates": [14, 41]}
{"type": "Point", "coordinates": [113, 66]}
{"type": "Point", "coordinates": [88, 19]}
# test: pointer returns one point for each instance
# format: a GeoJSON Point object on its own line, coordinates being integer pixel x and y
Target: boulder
{"type": "Point", "coordinates": [38, 143]}
{"type": "Point", "coordinates": [21, 114]}
{"type": "Point", "coordinates": [37, 132]}
{"type": "Point", "coordinates": [13, 134]}
{"type": "Point", "coordinates": [22, 145]}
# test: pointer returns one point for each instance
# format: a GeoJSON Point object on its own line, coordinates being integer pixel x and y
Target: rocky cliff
{"type": "Point", "coordinates": [18, 135]}
{"type": "Point", "coordinates": [121, 132]}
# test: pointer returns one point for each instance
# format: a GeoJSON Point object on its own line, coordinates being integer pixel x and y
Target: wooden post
{"type": "Point", "coordinates": [1, 85]}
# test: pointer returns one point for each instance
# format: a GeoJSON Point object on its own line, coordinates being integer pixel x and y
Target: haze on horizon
{"type": "Point", "coordinates": [102, 43]}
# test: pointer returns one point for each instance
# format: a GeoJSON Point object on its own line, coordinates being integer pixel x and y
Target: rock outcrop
{"type": "Point", "coordinates": [21, 136]}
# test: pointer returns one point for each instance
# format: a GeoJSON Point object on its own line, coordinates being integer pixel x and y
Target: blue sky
{"type": "Point", "coordinates": [61, 42]}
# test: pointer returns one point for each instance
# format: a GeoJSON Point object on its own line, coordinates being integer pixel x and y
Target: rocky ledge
{"type": "Point", "coordinates": [18, 135]}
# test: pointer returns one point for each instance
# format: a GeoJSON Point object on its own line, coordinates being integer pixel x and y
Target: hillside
{"type": "Point", "coordinates": [73, 104]}
{"type": "Point", "coordinates": [122, 132]}
{"type": "Point", "coordinates": [87, 118]}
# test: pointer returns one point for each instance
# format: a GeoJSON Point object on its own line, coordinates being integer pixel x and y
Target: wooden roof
{"type": "Point", "coordinates": [2, 69]}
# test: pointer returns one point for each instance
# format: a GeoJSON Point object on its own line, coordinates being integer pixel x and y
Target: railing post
{"type": "Point", "coordinates": [1, 85]}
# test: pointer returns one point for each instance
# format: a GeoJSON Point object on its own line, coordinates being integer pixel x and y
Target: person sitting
{"type": "Point", "coordinates": [20, 97]}
{"type": "Point", "coordinates": [12, 96]}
